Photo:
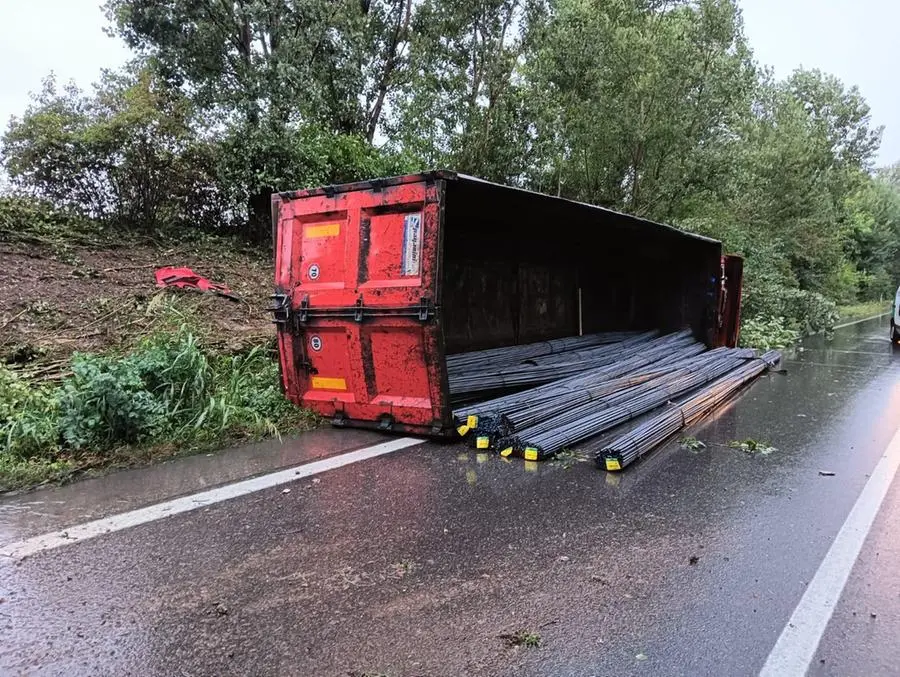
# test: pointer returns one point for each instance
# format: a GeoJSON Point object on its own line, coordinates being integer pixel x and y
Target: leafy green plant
{"type": "Point", "coordinates": [692, 444]}
{"type": "Point", "coordinates": [168, 390]}
{"type": "Point", "coordinates": [767, 333]}
{"type": "Point", "coordinates": [106, 402]}
{"type": "Point", "coordinates": [751, 446]}
{"type": "Point", "coordinates": [524, 638]}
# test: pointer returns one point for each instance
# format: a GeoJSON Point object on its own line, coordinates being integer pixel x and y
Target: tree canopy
{"type": "Point", "coordinates": [654, 107]}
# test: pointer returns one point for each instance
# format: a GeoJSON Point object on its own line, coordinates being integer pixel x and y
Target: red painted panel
{"type": "Point", "coordinates": [398, 354]}
{"type": "Point", "coordinates": [320, 242]}
{"type": "Point", "coordinates": [355, 266]}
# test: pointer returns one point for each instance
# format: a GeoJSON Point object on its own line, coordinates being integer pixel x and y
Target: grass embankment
{"type": "Point", "coordinates": [99, 369]}
{"type": "Point", "coordinates": [861, 311]}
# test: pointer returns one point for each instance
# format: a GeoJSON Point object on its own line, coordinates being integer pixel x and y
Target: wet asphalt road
{"type": "Point", "coordinates": [415, 563]}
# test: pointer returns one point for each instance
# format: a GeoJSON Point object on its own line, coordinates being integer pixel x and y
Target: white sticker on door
{"type": "Point", "coordinates": [412, 244]}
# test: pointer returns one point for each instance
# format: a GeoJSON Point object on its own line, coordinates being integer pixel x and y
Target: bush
{"type": "Point", "coordinates": [802, 311]}
{"type": "Point", "coordinates": [767, 333]}
{"type": "Point", "coordinates": [29, 218]}
{"type": "Point", "coordinates": [169, 388]}
{"type": "Point", "coordinates": [106, 402]}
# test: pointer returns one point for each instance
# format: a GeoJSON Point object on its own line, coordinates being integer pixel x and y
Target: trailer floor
{"type": "Point", "coordinates": [425, 561]}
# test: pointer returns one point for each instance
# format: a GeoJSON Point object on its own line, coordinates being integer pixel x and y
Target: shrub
{"type": "Point", "coordinates": [170, 389]}
{"type": "Point", "coordinates": [767, 333]}
{"type": "Point", "coordinates": [106, 402]}
{"type": "Point", "coordinates": [802, 311]}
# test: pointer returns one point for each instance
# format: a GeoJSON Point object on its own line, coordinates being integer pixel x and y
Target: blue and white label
{"type": "Point", "coordinates": [412, 244]}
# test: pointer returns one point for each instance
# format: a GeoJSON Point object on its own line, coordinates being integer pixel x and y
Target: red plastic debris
{"type": "Point", "coordinates": [185, 278]}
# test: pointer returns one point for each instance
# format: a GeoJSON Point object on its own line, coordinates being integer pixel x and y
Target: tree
{"type": "Point", "coordinates": [642, 95]}
{"type": "Point", "coordinates": [274, 69]}
{"type": "Point", "coordinates": [124, 154]}
{"type": "Point", "coordinates": [464, 103]}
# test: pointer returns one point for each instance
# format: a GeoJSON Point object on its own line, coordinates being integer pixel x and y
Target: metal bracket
{"type": "Point", "coordinates": [423, 311]}
{"type": "Point", "coordinates": [303, 310]}
{"type": "Point", "coordinates": [281, 308]}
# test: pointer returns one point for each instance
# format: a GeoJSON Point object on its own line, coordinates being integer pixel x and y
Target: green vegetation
{"type": "Point", "coordinates": [862, 311]}
{"type": "Point", "coordinates": [692, 444]}
{"type": "Point", "coordinates": [752, 447]}
{"type": "Point", "coordinates": [654, 108]}
{"type": "Point", "coordinates": [167, 392]}
{"type": "Point", "coordinates": [530, 640]}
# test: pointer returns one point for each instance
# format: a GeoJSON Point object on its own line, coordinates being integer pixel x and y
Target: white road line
{"type": "Point", "coordinates": [796, 647]}
{"type": "Point", "coordinates": [865, 319]}
{"type": "Point", "coordinates": [132, 518]}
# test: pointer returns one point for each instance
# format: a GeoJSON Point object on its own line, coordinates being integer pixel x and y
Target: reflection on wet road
{"type": "Point", "coordinates": [427, 560]}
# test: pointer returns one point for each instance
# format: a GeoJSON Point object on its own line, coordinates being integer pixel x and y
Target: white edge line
{"type": "Point", "coordinates": [865, 319]}
{"type": "Point", "coordinates": [796, 646]}
{"type": "Point", "coordinates": [82, 532]}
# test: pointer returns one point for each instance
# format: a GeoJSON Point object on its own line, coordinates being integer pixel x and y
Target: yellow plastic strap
{"type": "Point", "coordinates": [531, 454]}
{"type": "Point", "coordinates": [483, 443]}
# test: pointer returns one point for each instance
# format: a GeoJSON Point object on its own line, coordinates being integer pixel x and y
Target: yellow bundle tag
{"type": "Point", "coordinates": [506, 452]}
{"type": "Point", "coordinates": [531, 454]}
{"type": "Point", "coordinates": [472, 421]}
{"type": "Point", "coordinates": [462, 430]}
{"type": "Point", "coordinates": [613, 464]}
{"type": "Point", "coordinates": [483, 443]}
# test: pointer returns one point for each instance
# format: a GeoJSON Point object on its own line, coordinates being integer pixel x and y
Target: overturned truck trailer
{"type": "Point", "coordinates": [378, 281]}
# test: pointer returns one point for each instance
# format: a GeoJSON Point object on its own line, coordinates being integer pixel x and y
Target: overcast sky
{"type": "Point", "coordinates": [853, 39]}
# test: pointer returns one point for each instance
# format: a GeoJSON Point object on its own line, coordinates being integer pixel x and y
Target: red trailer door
{"type": "Point", "coordinates": [730, 300]}
{"type": "Point", "coordinates": [358, 296]}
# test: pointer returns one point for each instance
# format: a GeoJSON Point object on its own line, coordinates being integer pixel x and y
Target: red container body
{"type": "Point", "coordinates": [377, 281]}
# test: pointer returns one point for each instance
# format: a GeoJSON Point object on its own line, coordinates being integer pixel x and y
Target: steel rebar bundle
{"type": "Point", "coordinates": [571, 398]}
{"type": "Point", "coordinates": [628, 448]}
{"type": "Point", "coordinates": [657, 353]}
{"type": "Point", "coordinates": [494, 357]}
{"type": "Point", "coordinates": [552, 434]}
{"type": "Point", "coordinates": [532, 373]}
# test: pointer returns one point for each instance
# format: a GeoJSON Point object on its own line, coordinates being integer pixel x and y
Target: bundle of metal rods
{"type": "Point", "coordinates": [657, 352]}
{"type": "Point", "coordinates": [555, 433]}
{"type": "Point", "coordinates": [492, 358]}
{"type": "Point", "coordinates": [628, 448]}
{"type": "Point", "coordinates": [535, 371]}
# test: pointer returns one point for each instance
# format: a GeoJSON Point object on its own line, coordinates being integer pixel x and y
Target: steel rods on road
{"type": "Point", "coordinates": [562, 392]}
{"type": "Point", "coordinates": [628, 448]}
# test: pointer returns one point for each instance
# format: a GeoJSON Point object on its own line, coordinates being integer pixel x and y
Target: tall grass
{"type": "Point", "coordinates": [167, 390]}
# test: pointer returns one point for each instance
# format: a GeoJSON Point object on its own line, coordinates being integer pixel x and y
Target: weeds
{"type": "Point", "coordinates": [524, 638]}
{"type": "Point", "coordinates": [168, 392]}
{"type": "Point", "coordinates": [751, 446]}
{"type": "Point", "coordinates": [567, 458]}
{"type": "Point", "coordinates": [692, 444]}
{"type": "Point", "coordinates": [768, 333]}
